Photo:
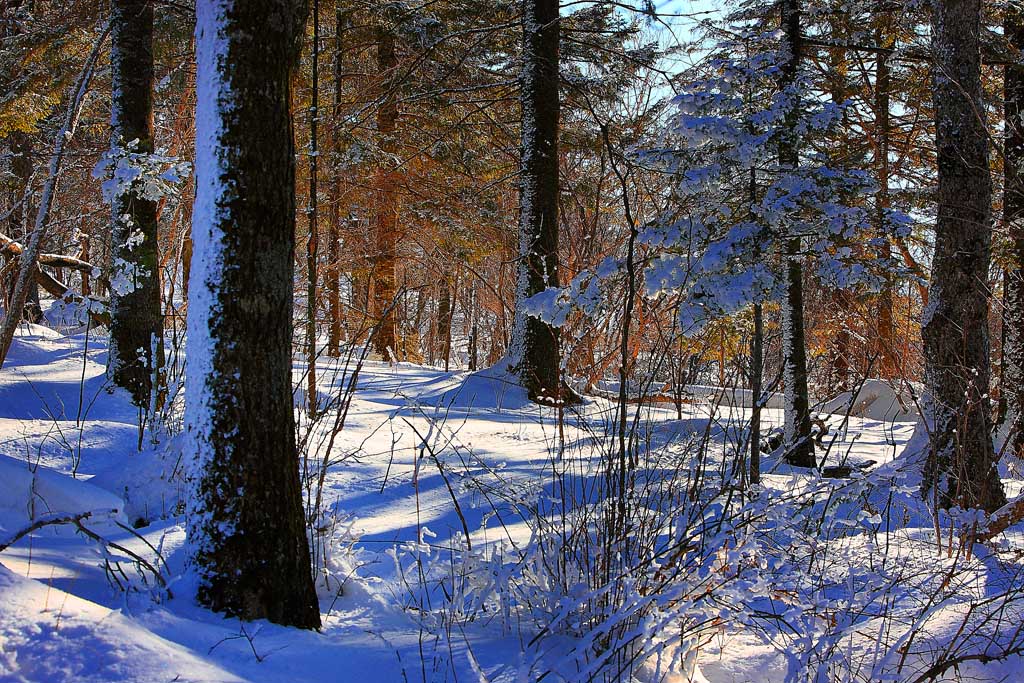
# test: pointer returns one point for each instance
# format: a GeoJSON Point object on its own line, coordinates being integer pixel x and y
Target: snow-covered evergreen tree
{"type": "Point", "coordinates": [753, 208]}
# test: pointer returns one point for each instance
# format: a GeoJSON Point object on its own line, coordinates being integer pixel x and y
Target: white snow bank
{"type": "Point", "coordinates": [32, 331]}
{"type": "Point", "coordinates": [26, 494]}
{"type": "Point", "coordinates": [491, 389]}
{"type": "Point", "coordinates": [49, 635]}
{"type": "Point", "coordinates": [726, 397]}
{"type": "Point", "coordinates": [152, 482]}
{"type": "Point", "coordinates": [876, 400]}
{"type": "Point", "coordinates": [734, 397]}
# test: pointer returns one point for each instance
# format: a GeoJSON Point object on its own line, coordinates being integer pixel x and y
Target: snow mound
{"type": "Point", "coordinates": [152, 482]}
{"type": "Point", "coordinates": [36, 332]}
{"type": "Point", "coordinates": [875, 400]}
{"type": "Point", "coordinates": [26, 494]}
{"type": "Point", "coordinates": [494, 388]}
{"type": "Point", "coordinates": [734, 397]}
{"type": "Point", "coordinates": [49, 635]}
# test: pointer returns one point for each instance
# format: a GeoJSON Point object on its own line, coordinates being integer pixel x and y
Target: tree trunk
{"type": "Point", "coordinates": [799, 446]}
{"type": "Point", "coordinates": [334, 227]}
{"type": "Point", "coordinates": [84, 244]}
{"type": "Point", "coordinates": [21, 167]}
{"type": "Point", "coordinates": [246, 530]}
{"type": "Point", "coordinates": [535, 353]}
{"type": "Point", "coordinates": [28, 262]}
{"type": "Point", "coordinates": [444, 321]}
{"type": "Point", "coordinates": [312, 242]}
{"type": "Point", "coordinates": [756, 381]}
{"type": "Point", "coordinates": [474, 333]}
{"type": "Point", "coordinates": [385, 309]}
{"type": "Point", "coordinates": [136, 320]}
{"type": "Point", "coordinates": [1013, 216]}
{"type": "Point", "coordinates": [885, 344]}
{"type": "Point", "coordinates": [960, 469]}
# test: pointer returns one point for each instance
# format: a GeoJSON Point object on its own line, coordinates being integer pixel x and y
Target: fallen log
{"type": "Point", "coordinates": [53, 286]}
{"type": "Point", "coordinates": [10, 247]}
{"type": "Point", "coordinates": [1002, 519]}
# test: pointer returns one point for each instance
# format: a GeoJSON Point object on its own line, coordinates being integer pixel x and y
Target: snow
{"type": "Point", "coordinates": [411, 432]}
{"type": "Point", "coordinates": [214, 104]}
{"type": "Point", "coordinates": [875, 399]}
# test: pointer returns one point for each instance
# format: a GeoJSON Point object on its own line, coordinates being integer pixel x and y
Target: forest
{"type": "Point", "coordinates": [508, 341]}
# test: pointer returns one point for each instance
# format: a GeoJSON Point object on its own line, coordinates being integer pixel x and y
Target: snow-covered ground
{"type": "Point", "coordinates": [423, 455]}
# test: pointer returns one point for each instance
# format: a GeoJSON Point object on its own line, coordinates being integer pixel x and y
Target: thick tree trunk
{"type": "Point", "coordinates": [246, 531]}
{"type": "Point", "coordinates": [1013, 215]}
{"type": "Point", "coordinates": [960, 469]}
{"type": "Point", "coordinates": [799, 446]}
{"type": "Point", "coordinates": [535, 352]}
{"type": "Point", "coordinates": [136, 320]}
{"type": "Point", "coordinates": [385, 309]}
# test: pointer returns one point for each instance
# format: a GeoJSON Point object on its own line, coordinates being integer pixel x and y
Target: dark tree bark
{"type": "Point", "coordinates": [535, 343]}
{"type": "Point", "coordinates": [756, 382]}
{"type": "Point", "coordinates": [385, 310]}
{"type": "Point", "coordinates": [960, 468]}
{"type": "Point", "coordinates": [136, 320]}
{"type": "Point", "coordinates": [1012, 384]}
{"type": "Point", "coordinates": [246, 529]}
{"type": "Point", "coordinates": [843, 299]}
{"type": "Point", "coordinates": [445, 311]}
{"type": "Point", "coordinates": [799, 446]}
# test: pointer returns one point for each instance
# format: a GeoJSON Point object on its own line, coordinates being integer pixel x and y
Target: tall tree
{"type": "Point", "coordinates": [385, 291]}
{"type": "Point", "coordinates": [535, 352]}
{"type": "Point", "coordinates": [960, 469]}
{"type": "Point", "coordinates": [21, 167]}
{"type": "Point", "coordinates": [799, 444]}
{"type": "Point", "coordinates": [247, 538]}
{"type": "Point", "coordinates": [1013, 217]}
{"type": "Point", "coordinates": [136, 320]}
{"type": "Point", "coordinates": [312, 217]}
{"type": "Point", "coordinates": [333, 270]}
{"type": "Point", "coordinates": [885, 343]}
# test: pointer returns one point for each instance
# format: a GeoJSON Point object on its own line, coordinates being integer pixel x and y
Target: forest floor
{"type": "Point", "coordinates": [423, 455]}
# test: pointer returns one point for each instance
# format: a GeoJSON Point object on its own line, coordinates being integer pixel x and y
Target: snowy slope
{"type": "Point", "coordinates": [423, 455]}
